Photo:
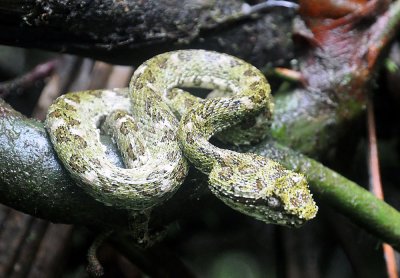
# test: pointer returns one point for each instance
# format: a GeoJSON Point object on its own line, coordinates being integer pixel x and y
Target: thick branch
{"type": "Point", "coordinates": [123, 31]}
{"type": "Point", "coordinates": [33, 181]}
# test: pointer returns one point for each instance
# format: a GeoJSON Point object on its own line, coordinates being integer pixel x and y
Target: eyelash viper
{"type": "Point", "coordinates": [144, 123]}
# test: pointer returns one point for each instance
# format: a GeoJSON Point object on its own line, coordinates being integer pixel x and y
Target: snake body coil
{"type": "Point", "coordinates": [150, 136]}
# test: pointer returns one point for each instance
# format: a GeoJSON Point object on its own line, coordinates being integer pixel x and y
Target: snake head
{"type": "Point", "coordinates": [263, 189]}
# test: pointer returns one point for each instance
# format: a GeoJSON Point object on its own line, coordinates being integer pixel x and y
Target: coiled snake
{"type": "Point", "coordinates": [151, 138]}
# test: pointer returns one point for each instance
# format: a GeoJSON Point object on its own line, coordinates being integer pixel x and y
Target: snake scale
{"type": "Point", "coordinates": [157, 125]}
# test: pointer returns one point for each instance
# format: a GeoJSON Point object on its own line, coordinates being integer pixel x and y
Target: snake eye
{"type": "Point", "coordinates": [273, 202]}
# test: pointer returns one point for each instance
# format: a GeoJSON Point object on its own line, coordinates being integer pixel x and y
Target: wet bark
{"type": "Point", "coordinates": [128, 32]}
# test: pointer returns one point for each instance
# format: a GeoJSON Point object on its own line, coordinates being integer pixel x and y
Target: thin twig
{"type": "Point", "coordinates": [266, 5]}
{"type": "Point", "coordinates": [18, 84]}
{"type": "Point", "coordinates": [345, 196]}
{"type": "Point", "coordinates": [376, 183]}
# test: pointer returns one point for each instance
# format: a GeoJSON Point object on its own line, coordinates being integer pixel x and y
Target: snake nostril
{"type": "Point", "coordinates": [100, 122]}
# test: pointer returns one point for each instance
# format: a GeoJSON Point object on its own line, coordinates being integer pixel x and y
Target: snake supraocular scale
{"type": "Point", "coordinates": [150, 136]}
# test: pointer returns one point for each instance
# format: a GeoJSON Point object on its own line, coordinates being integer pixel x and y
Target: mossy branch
{"type": "Point", "coordinates": [32, 180]}
{"type": "Point", "coordinates": [347, 197]}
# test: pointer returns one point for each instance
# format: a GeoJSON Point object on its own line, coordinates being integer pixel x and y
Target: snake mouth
{"type": "Point", "coordinates": [269, 209]}
{"type": "Point", "coordinates": [272, 210]}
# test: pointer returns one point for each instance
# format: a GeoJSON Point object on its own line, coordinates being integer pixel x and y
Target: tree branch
{"type": "Point", "coordinates": [33, 181]}
{"type": "Point", "coordinates": [347, 197]}
{"type": "Point", "coordinates": [122, 31]}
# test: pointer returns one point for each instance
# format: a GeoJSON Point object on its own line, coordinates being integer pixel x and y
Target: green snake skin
{"type": "Point", "coordinates": [145, 123]}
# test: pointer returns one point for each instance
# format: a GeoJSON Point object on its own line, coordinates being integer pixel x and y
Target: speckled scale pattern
{"type": "Point", "coordinates": [151, 137]}
{"type": "Point", "coordinates": [155, 169]}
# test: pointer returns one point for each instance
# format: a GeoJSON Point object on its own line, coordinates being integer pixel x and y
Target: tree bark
{"type": "Point", "coordinates": [128, 32]}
